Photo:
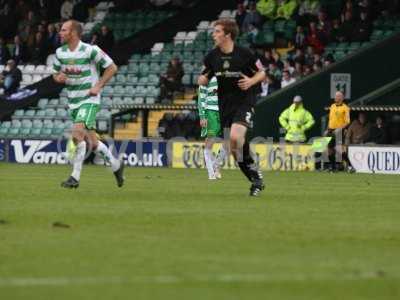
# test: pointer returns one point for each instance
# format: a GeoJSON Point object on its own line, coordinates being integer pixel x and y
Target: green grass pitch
{"type": "Point", "coordinates": [172, 234]}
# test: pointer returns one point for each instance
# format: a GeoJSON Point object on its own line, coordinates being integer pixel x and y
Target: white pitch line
{"type": "Point", "coordinates": [173, 279]}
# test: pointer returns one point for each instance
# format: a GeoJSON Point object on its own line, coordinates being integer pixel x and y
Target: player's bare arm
{"type": "Point", "coordinates": [60, 77]}
{"type": "Point", "coordinates": [203, 80]}
{"type": "Point", "coordinates": [109, 72]}
{"type": "Point", "coordinates": [247, 82]}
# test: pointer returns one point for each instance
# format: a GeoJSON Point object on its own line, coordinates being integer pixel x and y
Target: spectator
{"type": "Point", "coordinates": [365, 6]}
{"type": "Point", "coordinates": [313, 38]}
{"type": "Point", "coordinates": [288, 66]}
{"type": "Point", "coordinates": [348, 8]}
{"type": "Point", "coordinates": [253, 17]}
{"type": "Point", "coordinates": [268, 86]}
{"type": "Point", "coordinates": [42, 6]}
{"type": "Point", "coordinates": [267, 58]}
{"type": "Point", "coordinates": [286, 9]}
{"type": "Point", "coordinates": [10, 78]}
{"type": "Point", "coordinates": [324, 27]}
{"type": "Point", "coordinates": [66, 10]}
{"type": "Point", "coordinates": [8, 20]}
{"type": "Point", "coordinates": [362, 28]}
{"type": "Point", "coordinates": [27, 36]}
{"type": "Point", "coordinates": [378, 133]}
{"type": "Point", "coordinates": [39, 50]}
{"type": "Point", "coordinates": [299, 57]}
{"type": "Point", "coordinates": [298, 70]}
{"type": "Point", "coordinates": [172, 80]}
{"type": "Point", "coordinates": [347, 28]}
{"type": "Point", "coordinates": [240, 14]}
{"type": "Point", "coordinates": [20, 52]}
{"type": "Point", "coordinates": [105, 39]}
{"type": "Point", "coordinates": [286, 79]}
{"type": "Point", "coordinates": [267, 8]}
{"type": "Point", "coordinates": [358, 131]}
{"type": "Point", "coordinates": [335, 32]}
{"type": "Point", "coordinates": [80, 12]}
{"type": "Point", "coordinates": [316, 67]}
{"type": "Point", "coordinates": [277, 59]}
{"type": "Point", "coordinates": [29, 20]}
{"type": "Point", "coordinates": [4, 53]}
{"type": "Point", "coordinates": [296, 120]}
{"type": "Point", "coordinates": [307, 70]}
{"type": "Point", "coordinates": [299, 38]}
{"type": "Point", "coordinates": [21, 10]}
{"type": "Point", "coordinates": [274, 71]}
{"type": "Point", "coordinates": [52, 39]}
{"type": "Point", "coordinates": [308, 11]}
{"type": "Point", "coordinates": [309, 56]}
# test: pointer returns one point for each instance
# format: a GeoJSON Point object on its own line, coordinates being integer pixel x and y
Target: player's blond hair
{"type": "Point", "coordinates": [229, 26]}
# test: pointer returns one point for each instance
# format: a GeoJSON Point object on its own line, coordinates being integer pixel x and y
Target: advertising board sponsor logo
{"type": "Point", "coordinates": [36, 151]}
{"type": "Point", "coordinates": [385, 160]}
{"type": "Point", "coordinates": [267, 156]}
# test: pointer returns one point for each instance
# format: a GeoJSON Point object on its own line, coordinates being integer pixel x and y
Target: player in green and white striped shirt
{"type": "Point", "coordinates": [211, 127]}
{"type": "Point", "coordinates": [78, 65]}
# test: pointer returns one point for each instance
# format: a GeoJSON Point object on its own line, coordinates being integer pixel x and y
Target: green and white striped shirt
{"type": "Point", "coordinates": [208, 97]}
{"type": "Point", "coordinates": [82, 67]}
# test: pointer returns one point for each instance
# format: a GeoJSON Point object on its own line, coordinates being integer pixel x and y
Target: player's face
{"type": "Point", "coordinates": [219, 35]}
{"type": "Point", "coordinates": [66, 32]}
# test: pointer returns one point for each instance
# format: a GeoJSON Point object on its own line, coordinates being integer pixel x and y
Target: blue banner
{"type": "Point", "coordinates": [133, 153]}
{"type": "Point", "coordinates": [2, 150]}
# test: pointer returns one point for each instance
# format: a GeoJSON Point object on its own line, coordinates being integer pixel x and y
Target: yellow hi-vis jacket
{"type": "Point", "coordinates": [296, 121]}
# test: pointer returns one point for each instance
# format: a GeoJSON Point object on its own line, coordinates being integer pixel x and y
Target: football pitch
{"type": "Point", "coordinates": [172, 234]}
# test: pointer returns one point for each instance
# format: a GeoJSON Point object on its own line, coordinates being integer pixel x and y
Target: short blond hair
{"type": "Point", "coordinates": [229, 26]}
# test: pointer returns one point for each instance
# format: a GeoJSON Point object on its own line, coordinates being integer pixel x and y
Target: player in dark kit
{"type": "Point", "coordinates": [239, 74]}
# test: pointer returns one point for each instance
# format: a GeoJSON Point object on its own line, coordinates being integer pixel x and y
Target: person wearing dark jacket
{"type": "Point", "coordinates": [10, 78]}
{"type": "Point", "coordinates": [4, 53]}
{"type": "Point", "coordinates": [378, 133]}
{"type": "Point", "coordinates": [172, 80]}
{"type": "Point", "coordinates": [105, 39]}
{"type": "Point", "coordinates": [20, 53]}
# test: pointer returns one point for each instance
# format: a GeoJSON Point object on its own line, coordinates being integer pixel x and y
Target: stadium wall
{"type": "Point", "coordinates": [359, 74]}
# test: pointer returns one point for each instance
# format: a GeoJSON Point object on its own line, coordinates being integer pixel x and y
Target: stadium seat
{"type": "Point", "coordinates": [50, 113]}
{"type": "Point", "coordinates": [139, 100]}
{"type": "Point", "coordinates": [102, 125]}
{"type": "Point", "coordinates": [37, 124]}
{"type": "Point", "coordinates": [3, 132]}
{"type": "Point", "coordinates": [63, 101]}
{"type": "Point", "coordinates": [26, 79]}
{"type": "Point", "coordinates": [35, 132]}
{"type": "Point", "coordinates": [150, 100]}
{"type": "Point", "coordinates": [132, 79]}
{"type": "Point", "coordinates": [117, 101]}
{"type": "Point", "coordinates": [119, 90]}
{"type": "Point", "coordinates": [48, 124]}
{"type": "Point", "coordinates": [13, 132]}
{"type": "Point", "coordinates": [15, 124]}
{"type": "Point", "coordinates": [130, 91]}
{"type": "Point", "coordinates": [43, 103]}
{"type": "Point", "coordinates": [62, 113]}
{"type": "Point", "coordinates": [128, 100]}
{"type": "Point", "coordinates": [108, 90]}
{"type": "Point", "coordinates": [53, 103]}
{"type": "Point", "coordinates": [40, 114]}
{"type": "Point", "coordinates": [29, 113]}
{"type": "Point", "coordinates": [5, 124]}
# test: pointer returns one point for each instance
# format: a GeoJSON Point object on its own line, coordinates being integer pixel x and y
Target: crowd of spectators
{"type": "Point", "coordinates": [316, 27]}
{"type": "Point", "coordinates": [30, 27]}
